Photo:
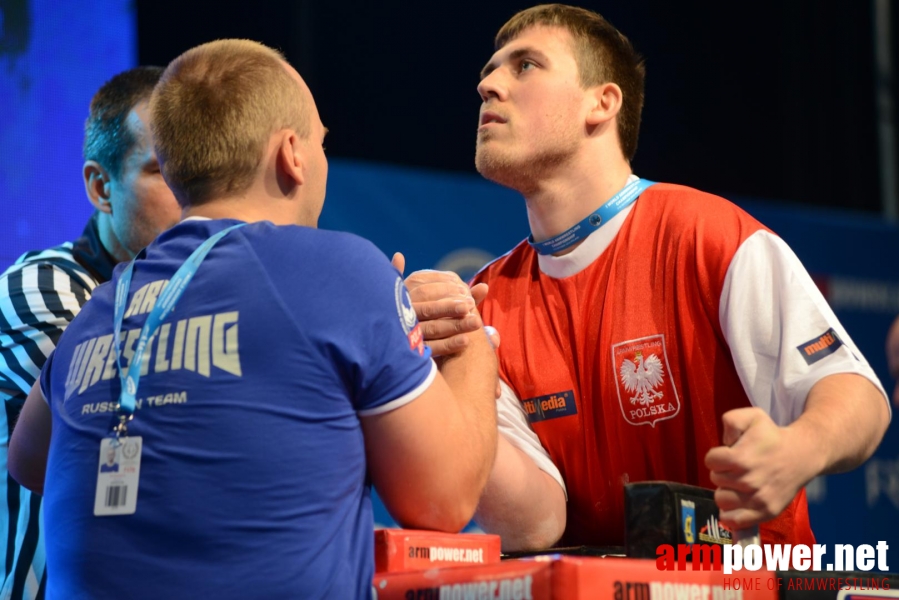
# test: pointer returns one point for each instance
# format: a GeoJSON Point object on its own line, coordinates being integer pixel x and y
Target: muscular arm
{"type": "Point", "coordinates": [848, 417]}
{"type": "Point", "coordinates": [30, 442]}
{"type": "Point", "coordinates": [523, 504]}
{"type": "Point", "coordinates": [817, 405]}
{"type": "Point", "coordinates": [765, 465]}
{"type": "Point", "coordinates": [525, 499]}
{"type": "Point", "coordinates": [430, 459]}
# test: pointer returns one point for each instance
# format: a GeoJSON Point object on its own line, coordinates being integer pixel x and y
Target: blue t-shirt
{"type": "Point", "coordinates": [253, 478]}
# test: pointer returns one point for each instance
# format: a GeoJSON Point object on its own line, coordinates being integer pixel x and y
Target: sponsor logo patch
{"type": "Point", "coordinates": [551, 406]}
{"type": "Point", "coordinates": [646, 392]}
{"type": "Point", "coordinates": [824, 345]}
{"type": "Point", "coordinates": [688, 520]}
{"type": "Point", "coordinates": [715, 533]}
{"type": "Point", "coordinates": [407, 317]}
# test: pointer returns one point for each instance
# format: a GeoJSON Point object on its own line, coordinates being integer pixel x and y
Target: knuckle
{"type": "Point", "coordinates": [425, 311]}
{"type": "Point", "coordinates": [429, 331]}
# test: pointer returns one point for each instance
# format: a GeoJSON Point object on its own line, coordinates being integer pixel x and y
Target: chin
{"type": "Point", "coordinates": [498, 168]}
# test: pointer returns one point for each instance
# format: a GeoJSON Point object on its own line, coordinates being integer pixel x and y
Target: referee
{"type": "Point", "coordinates": [43, 291]}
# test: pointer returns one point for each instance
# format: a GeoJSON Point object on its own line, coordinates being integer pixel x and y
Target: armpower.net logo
{"type": "Point", "coordinates": [744, 561]}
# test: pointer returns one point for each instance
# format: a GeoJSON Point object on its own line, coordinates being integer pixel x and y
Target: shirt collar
{"type": "Point", "coordinates": [89, 252]}
{"type": "Point", "coordinates": [559, 267]}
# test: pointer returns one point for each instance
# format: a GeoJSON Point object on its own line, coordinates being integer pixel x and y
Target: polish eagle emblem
{"type": "Point", "coordinates": [641, 376]}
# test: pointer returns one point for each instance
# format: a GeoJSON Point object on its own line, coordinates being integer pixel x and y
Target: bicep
{"type": "Point", "coordinates": [409, 454]}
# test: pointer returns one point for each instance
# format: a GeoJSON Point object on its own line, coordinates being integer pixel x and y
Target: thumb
{"type": "Point", "coordinates": [399, 262]}
{"type": "Point", "coordinates": [479, 292]}
{"type": "Point", "coordinates": [736, 422]}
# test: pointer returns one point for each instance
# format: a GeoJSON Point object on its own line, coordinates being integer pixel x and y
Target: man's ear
{"type": "Point", "coordinates": [291, 158]}
{"type": "Point", "coordinates": [97, 185]}
{"type": "Point", "coordinates": [606, 103]}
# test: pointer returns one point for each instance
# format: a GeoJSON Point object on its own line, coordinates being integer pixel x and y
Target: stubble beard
{"type": "Point", "coordinates": [519, 171]}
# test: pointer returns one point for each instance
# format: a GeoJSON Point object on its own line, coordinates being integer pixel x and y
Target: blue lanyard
{"type": "Point", "coordinates": [164, 305]}
{"type": "Point", "coordinates": [624, 198]}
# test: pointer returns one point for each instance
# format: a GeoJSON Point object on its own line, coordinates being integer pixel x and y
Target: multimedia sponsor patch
{"type": "Point", "coordinates": [551, 406]}
{"type": "Point", "coordinates": [824, 345]}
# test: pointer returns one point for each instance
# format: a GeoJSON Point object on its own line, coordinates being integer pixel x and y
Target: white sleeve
{"type": "Point", "coordinates": [513, 425]}
{"type": "Point", "coordinates": [782, 334]}
{"type": "Point", "coordinates": [405, 398]}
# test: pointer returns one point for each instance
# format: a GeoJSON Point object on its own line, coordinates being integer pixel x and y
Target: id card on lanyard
{"type": "Point", "coordinates": [118, 473]}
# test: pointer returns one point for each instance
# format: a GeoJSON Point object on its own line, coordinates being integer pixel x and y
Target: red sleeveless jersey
{"type": "Point", "coordinates": [622, 368]}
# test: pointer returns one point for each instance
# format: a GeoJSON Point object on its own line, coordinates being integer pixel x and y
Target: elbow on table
{"type": "Point", "coordinates": [519, 536]}
{"type": "Point", "coordinates": [450, 516]}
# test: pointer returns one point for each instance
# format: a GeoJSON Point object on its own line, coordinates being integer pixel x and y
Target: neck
{"type": "Point", "coordinates": [250, 211]}
{"type": "Point", "coordinates": [565, 197]}
{"type": "Point", "coordinates": [110, 241]}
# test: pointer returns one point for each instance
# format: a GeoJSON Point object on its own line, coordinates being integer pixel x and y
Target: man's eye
{"type": "Point", "coordinates": [527, 65]}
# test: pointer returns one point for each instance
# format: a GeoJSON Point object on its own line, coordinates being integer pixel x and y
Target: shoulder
{"type": "Point", "coordinates": [52, 268]}
{"type": "Point", "coordinates": [690, 216]}
{"type": "Point", "coordinates": [509, 265]}
{"type": "Point", "coordinates": [308, 239]}
{"type": "Point", "coordinates": [329, 258]}
{"type": "Point", "coordinates": [686, 204]}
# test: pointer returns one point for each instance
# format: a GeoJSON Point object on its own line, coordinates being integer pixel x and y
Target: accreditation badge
{"type": "Point", "coordinates": [117, 476]}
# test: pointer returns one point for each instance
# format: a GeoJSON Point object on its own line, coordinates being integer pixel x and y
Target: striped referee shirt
{"type": "Point", "coordinates": [40, 294]}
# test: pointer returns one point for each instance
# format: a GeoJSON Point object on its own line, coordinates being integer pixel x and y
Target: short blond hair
{"type": "Point", "coordinates": [603, 55]}
{"type": "Point", "coordinates": [213, 112]}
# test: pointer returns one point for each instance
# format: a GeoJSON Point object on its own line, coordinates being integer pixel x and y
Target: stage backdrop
{"type": "Point", "coordinates": [53, 57]}
{"type": "Point", "coordinates": [458, 222]}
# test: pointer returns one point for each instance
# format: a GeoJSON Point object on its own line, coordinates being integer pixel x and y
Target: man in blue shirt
{"type": "Point", "coordinates": [289, 377]}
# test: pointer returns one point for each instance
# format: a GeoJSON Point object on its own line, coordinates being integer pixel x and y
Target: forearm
{"type": "Point", "coordinates": [430, 458]}
{"type": "Point", "coordinates": [844, 420]}
{"type": "Point", "coordinates": [521, 503]}
{"type": "Point", "coordinates": [472, 376]}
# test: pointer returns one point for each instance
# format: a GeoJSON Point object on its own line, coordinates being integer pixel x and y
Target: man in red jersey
{"type": "Point", "coordinates": [649, 331]}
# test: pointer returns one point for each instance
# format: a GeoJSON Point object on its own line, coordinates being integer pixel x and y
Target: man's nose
{"type": "Point", "coordinates": [493, 87]}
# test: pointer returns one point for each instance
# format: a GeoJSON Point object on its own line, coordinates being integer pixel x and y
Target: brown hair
{"type": "Point", "coordinates": [602, 53]}
{"type": "Point", "coordinates": [107, 137]}
{"type": "Point", "coordinates": [213, 112]}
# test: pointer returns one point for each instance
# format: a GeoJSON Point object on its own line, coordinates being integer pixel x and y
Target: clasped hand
{"type": "Point", "coordinates": [759, 469]}
{"type": "Point", "coordinates": [446, 308]}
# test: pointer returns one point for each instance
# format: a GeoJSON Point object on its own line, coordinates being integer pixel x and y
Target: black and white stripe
{"type": "Point", "coordinates": [39, 296]}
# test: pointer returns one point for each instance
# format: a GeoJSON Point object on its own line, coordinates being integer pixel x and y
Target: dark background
{"type": "Point", "coordinates": [766, 99]}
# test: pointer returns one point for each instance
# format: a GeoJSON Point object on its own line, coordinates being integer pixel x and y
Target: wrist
{"type": "Point", "coordinates": [809, 449]}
